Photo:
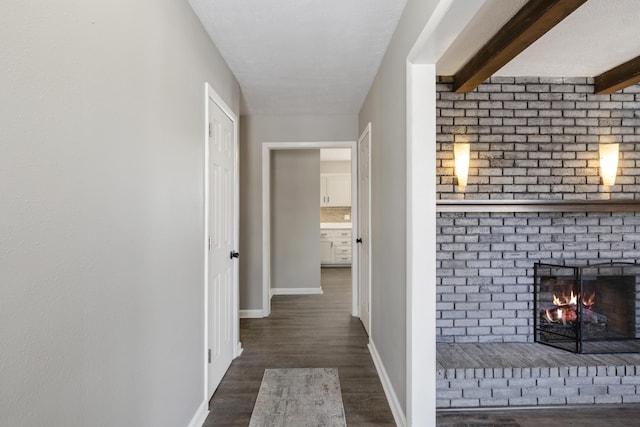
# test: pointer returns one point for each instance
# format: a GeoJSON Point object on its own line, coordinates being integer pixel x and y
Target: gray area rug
{"type": "Point", "coordinates": [299, 398]}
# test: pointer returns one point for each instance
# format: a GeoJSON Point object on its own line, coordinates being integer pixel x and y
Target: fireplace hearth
{"type": "Point", "coordinates": [587, 309]}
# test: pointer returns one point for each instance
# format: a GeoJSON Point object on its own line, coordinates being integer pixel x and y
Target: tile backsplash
{"type": "Point", "coordinates": [335, 214]}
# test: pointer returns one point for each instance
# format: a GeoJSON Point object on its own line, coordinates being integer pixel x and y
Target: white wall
{"type": "Point", "coordinates": [254, 130]}
{"type": "Point", "coordinates": [295, 218]}
{"type": "Point", "coordinates": [385, 108]}
{"type": "Point", "coordinates": [101, 215]}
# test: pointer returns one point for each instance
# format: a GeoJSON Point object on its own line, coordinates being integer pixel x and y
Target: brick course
{"type": "Point", "coordinates": [512, 386]}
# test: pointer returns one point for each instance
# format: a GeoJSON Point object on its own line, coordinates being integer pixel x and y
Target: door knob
{"type": "Point", "coordinates": [359, 240]}
{"type": "Point", "coordinates": [234, 254]}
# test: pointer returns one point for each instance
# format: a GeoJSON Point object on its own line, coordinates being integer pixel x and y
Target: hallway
{"type": "Point", "coordinates": [306, 331]}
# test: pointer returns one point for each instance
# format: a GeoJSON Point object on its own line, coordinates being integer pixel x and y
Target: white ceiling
{"type": "Point", "coordinates": [301, 56]}
{"type": "Point", "coordinates": [598, 36]}
{"type": "Point", "coordinates": [320, 56]}
{"type": "Point", "coordinates": [485, 23]}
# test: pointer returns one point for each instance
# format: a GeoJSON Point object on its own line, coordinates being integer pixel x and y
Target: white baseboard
{"type": "Point", "coordinates": [251, 314]}
{"type": "Point", "coordinates": [296, 291]}
{"type": "Point", "coordinates": [396, 408]}
{"type": "Point", "coordinates": [200, 416]}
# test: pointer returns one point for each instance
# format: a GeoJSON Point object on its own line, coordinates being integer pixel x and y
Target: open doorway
{"type": "Point", "coordinates": [335, 208]}
{"type": "Point", "coordinates": [267, 176]}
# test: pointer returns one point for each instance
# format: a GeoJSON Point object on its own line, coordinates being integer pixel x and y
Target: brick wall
{"type": "Point", "coordinates": [536, 139]}
{"type": "Point", "coordinates": [538, 386]}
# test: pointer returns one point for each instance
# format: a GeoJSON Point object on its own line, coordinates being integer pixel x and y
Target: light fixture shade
{"type": "Point", "coordinates": [461, 155]}
{"type": "Point", "coordinates": [609, 163]}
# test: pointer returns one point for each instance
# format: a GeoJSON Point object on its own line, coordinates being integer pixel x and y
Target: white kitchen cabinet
{"type": "Point", "coordinates": [335, 247]}
{"type": "Point", "coordinates": [335, 190]}
{"type": "Point", "coordinates": [326, 251]}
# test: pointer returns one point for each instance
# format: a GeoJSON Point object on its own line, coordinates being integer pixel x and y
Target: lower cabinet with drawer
{"type": "Point", "coordinates": [335, 247]}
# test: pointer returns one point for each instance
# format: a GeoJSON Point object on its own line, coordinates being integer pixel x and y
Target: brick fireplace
{"type": "Point", "coordinates": [532, 139]}
{"type": "Point", "coordinates": [533, 195]}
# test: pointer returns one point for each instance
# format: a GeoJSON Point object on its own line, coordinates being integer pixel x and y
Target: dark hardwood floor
{"type": "Point", "coordinates": [576, 416]}
{"type": "Point", "coordinates": [306, 331]}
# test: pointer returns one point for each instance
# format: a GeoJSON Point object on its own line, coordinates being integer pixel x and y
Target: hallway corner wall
{"type": "Point", "coordinates": [295, 219]}
{"type": "Point", "coordinates": [102, 235]}
{"type": "Point", "coordinates": [385, 109]}
{"type": "Point", "coordinates": [254, 131]}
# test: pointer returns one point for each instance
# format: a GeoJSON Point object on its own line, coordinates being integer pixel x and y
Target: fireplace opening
{"type": "Point", "coordinates": [587, 309]}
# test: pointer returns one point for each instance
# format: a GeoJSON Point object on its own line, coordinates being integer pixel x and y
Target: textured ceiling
{"type": "Point", "coordinates": [598, 36]}
{"type": "Point", "coordinates": [489, 19]}
{"type": "Point", "coordinates": [320, 56]}
{"type": "Point", "coordinates": [595, 38]}
{"type": "Point", "coordinates": [301, 56]}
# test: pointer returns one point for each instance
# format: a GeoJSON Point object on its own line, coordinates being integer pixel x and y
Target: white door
{"type": "Point", "coordinates": [221, 244]}
{"type": "Point", "coordinates": [364, 227]}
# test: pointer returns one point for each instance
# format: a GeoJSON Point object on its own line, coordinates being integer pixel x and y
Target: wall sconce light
{"type": "Point", "coordinates": [608, 163]}
{"type": "Point", "coordinates": [461, 155]}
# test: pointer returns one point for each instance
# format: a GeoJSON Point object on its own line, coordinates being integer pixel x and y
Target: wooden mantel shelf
{"type": "Point", "coordinates": [537, 205]}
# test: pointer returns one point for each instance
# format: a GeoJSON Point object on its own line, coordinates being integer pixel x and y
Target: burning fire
{"type": "Point", "coordinates": [572, 300]}
{"type": "Point", "coordinates": [565, 310]}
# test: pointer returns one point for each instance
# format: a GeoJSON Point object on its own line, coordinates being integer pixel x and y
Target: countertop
{"type": "Point", "coordinates": [335, 225]}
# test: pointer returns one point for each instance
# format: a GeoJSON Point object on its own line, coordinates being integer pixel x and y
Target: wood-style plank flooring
{"type": "Point", "coordinates": [306, 331]}
{"type": "Point", "coordinates": [577, 416]}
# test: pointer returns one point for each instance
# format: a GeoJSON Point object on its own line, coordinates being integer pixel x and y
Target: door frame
{"type": "Point", "coordinates": [447, 21]}
{"type": "Point", "coordinates": [267, 147]}
{"type": "Point", "coordinates": [366, 131]}
{"type": "Point", "coordinates": [211, 94]}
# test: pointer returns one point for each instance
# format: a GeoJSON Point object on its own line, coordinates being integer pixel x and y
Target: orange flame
{"type": "Point", "coordinates": [566, 307]}
{"type": "Point", "coordinates": [589, 300]}
{"type": "Point", "coordinates": [571, 300]}
{"type": "Point", "coordinates": [549, 318]}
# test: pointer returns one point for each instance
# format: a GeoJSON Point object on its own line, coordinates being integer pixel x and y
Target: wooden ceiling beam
{"type": "Point", "coordinates": [529, 24]}
{"type": "Point", "coordinates": [618, 78]}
